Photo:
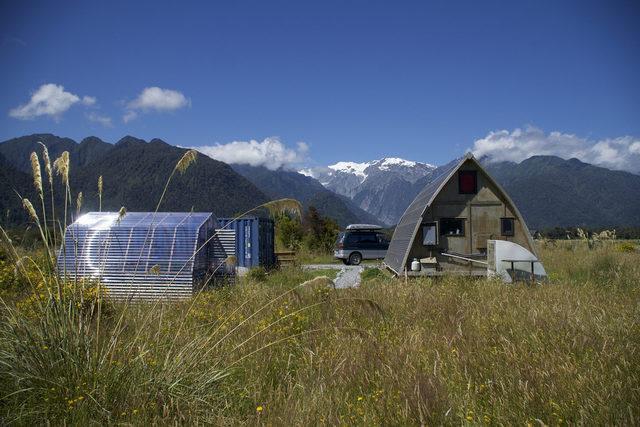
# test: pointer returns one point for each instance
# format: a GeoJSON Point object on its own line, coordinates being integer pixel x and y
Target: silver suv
{"type": "Point", "coordinates": [361, 241]}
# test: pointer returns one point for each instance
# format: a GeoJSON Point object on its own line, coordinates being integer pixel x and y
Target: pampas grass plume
{"type": "Point", "coordinates": [37, 174]}
{"type": "Point", "coordinates": [47, 162]}
{"type": "Point", "coordinates": [79, 202]}
{"type": "Point", "coordinates": [186, 160]}
{"type": "Point", "coordinates": [283, 206]}
{"type": "Point", "coordinates": [61, 165]}
{"type": "Point", "coordinates": [30, 209]}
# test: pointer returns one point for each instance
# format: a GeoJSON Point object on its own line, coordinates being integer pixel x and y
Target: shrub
{"type": "Point", "coordinates": [626, 247]}
{"type": "Point", "coordinates": [257, 274]}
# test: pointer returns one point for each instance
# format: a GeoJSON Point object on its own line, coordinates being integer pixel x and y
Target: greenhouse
{"type": "Point", "coordinates": [141, 254]}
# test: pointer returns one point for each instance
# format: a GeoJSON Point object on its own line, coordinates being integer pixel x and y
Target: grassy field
{"type": "Point", "coordinates": [286, 348]}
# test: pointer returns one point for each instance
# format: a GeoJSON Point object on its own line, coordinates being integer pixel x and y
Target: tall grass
{"type": "Point", "coordinates": [286, 348]}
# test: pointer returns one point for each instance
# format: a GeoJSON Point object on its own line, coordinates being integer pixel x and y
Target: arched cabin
{"type": "Point", "coordinates": [450, 221]}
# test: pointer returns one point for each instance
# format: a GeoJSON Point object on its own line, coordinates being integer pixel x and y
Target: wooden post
{"type": "Point", "coordinates": [533, 276]}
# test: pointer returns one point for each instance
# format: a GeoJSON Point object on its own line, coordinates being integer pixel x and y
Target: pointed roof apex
{"type": "Point", "coordinates": [469, 155]}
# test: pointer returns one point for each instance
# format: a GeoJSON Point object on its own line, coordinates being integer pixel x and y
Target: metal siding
{"type": "Point", "coordinates": [254, 240]}
{"type": "Point", "coordinates": [224, 246]}
{"type": "Point", "coordinates": [405, 230]}
{"type": "Point", "coordinates": [121, 253]}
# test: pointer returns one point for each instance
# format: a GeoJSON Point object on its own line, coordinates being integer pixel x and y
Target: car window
{"type": "Point", "coordinates": [368, 238]}
{"type": "Point", "coordinates": [351, 238]}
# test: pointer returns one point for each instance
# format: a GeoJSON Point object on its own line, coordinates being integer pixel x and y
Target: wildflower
{"type": "Point", "coordinates": [360, 398]}
{"type": "Point", "coordinates": [259, 409]}
{"type": "Point", "coordinates": [469, 418]}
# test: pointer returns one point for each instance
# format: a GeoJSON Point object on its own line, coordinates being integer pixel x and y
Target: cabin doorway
{"type": "Point", "coordinates": [484, 225]}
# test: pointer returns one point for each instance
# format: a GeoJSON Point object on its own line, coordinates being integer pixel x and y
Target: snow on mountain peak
{"type": "Point", "coordinates": [351, 167]}
{"type": "Point", "coordinates": [387, 162]}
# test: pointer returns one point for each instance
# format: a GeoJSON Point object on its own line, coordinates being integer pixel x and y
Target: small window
{"type": "Point", "coordinates": [468, 182]}
{"type": "Point", "coordinates": [430, 234]}
{"type": "Point", "coordinates": [507, 226]}
{"type": "Point", "coordinates": [452, 226]}
{"type": "Point", "coordinates": [368, 238]}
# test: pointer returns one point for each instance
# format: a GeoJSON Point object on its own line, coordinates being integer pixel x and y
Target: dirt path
{"type": "Point", "coordinates": [348, 276]}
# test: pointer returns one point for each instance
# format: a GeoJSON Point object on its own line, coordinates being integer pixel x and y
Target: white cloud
{"type": "Point", "coordinates": [129, 115]}
{"type": "Point", "coordinates": [97, 118]}
{"type": "Point", "coordinates": [88, 100]}
{"type": "Point", "coordinates": [155, 99]}
{"type": "Point", "coordinates": [270, 152]}
{"type": "Point", "coordinates": [49, 100]}
{"type": "Point", "coordinates": [622, 153]}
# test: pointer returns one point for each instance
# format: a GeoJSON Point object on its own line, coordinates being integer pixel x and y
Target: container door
{"type": "Point", "coordinates": [247, 244]}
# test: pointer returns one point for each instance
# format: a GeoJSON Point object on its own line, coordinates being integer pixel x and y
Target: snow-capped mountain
{"type": "Point", "coordinates": [380, 187]}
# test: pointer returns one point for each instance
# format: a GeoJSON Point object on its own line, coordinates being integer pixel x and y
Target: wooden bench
{"type": "Point", "coordinates": [285, 258]}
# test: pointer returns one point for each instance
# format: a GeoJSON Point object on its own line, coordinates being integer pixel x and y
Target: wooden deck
{"type": "Point", "coordinates": [425, 273]}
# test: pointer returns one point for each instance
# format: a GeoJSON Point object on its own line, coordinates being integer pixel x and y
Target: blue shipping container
{"type": "Point", "coordinates": [254, 240]}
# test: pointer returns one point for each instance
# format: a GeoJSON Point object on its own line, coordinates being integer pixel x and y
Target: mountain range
{"type": "Point", "coordinates": [384, 188]}
{"type": "Point", "coordinates": [549, 191]}
{"type": "Point", "coordinates": [135, 171]}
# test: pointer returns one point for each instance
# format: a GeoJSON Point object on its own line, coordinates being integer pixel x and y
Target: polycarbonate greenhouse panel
{"type": "Point", "coordinates": [142, 254]}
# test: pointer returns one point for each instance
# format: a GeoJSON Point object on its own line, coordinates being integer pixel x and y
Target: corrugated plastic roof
{"type": "Point", "coordinates": [142, 253]}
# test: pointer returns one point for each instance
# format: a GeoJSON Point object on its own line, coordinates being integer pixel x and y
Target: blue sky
{"type": "Point", "coordinates": [352, 80]}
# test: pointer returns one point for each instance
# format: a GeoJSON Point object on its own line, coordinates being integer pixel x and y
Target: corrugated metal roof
{"type": "Point", "coordinates": [141, 254]}
{"type": "Point", "coordinates": [412, 217]}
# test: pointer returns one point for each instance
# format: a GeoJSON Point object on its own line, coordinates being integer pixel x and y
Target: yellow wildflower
{"type": "Point", "coordinates": [259, 409]}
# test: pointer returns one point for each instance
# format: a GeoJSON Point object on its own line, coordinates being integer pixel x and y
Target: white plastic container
{"type": "Point", "coordinates": [415, 265]}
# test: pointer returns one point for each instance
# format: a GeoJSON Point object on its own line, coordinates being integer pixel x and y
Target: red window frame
{"type": "Point", "coordinates": [468, 182]}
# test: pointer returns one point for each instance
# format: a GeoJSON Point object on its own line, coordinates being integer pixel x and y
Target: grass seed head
{"type": "Point", "coordinates": [231, 261]}
{"type": "Point", "coordinates": [189, 157]}
{"type": "Point", "coordinates": [61, 165]}
{"type": "Point", "coordinates": [100, 185]}
{"type": "Point", "coordinates": [37, 174]}
{"type": "Point", "coordinates": [47, 162]}
{"type": "Point", "coordinates": [79, 202]}
{"type": "Point", "coordinates": [30, 209]}
{"type": "Point", "coordinates": [121, 213]}
{"type": "Point", "coordinates": [281, 206]}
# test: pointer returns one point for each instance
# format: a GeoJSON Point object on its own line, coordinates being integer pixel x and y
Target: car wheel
{"type": "Point", "coordinates": [344, 261]}
{"type": "Point", "coordinates": [355, 258]}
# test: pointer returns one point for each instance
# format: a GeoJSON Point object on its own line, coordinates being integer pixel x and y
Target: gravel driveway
{"type": "Point", "coordinates": [348, 276]}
